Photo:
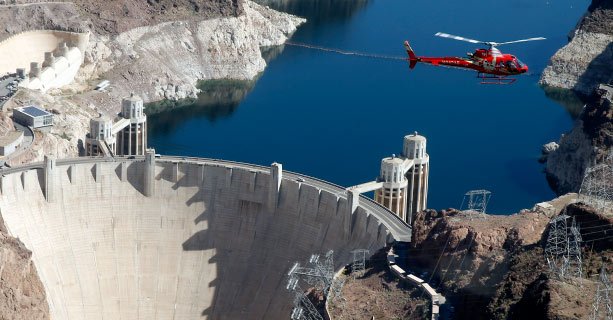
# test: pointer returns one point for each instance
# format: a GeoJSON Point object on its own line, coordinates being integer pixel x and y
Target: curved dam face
{"type": "Point", "coordinates": [212, 240]}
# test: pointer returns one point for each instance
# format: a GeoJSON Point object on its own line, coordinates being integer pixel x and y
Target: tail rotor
{"type": "Point", "coordinates": [413, 59]}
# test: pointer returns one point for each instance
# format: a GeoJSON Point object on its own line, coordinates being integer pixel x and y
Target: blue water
{"type": "Point", "coordinates": [335, 117]}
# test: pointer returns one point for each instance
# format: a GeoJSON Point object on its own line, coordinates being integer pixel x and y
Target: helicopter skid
{"type": "Point", "coordinates": [494, 79]}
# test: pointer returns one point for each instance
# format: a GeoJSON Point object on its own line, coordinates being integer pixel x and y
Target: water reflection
{"type": "Point", "coordinates": [318, 10]}
{"type": "Point", "coordinates": [567, 99]}
{"type": "Point", "coordinates": [269, 53]}
{"type": "Point", "coordinates": [218, 99]}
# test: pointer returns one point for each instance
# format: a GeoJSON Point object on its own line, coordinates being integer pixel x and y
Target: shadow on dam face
{"type": "Point", "coordinates": [207, 244]}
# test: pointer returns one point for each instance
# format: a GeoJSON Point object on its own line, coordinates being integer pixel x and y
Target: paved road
{"type": "Point", "coordinates": [28, 139]}
{"type": "Point", "coordinates": [398, 228]}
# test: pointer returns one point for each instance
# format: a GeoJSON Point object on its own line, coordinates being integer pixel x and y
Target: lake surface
{"type": "Point", "coordinates": [335, 116]}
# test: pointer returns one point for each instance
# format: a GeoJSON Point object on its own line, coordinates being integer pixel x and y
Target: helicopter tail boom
{"type": "Point", "coordinates": [413, 59]}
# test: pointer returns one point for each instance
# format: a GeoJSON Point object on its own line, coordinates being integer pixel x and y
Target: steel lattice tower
{"type": "Point", "coordinates": [597, 186]}
{"type": "Point", "coordinates": [574, 261]}
{"type": "Point", "coordinates": [601, 308]}
{"type": "Point", "coordinates": [476, 201]}
{"type": "Point", "coordinates": [359, 261]}
{"type": "Point", "coordinates": [303, 307]}
{"type": "Point", "coordinates": [557, 243]}
{"type": "Point", "coordinates": [563, 248]}
{"type": "Point", "coordinates": [319, 274]}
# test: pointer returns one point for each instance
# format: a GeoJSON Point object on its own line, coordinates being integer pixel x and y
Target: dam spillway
{"type": "Point", "coordinates": [214, 239]}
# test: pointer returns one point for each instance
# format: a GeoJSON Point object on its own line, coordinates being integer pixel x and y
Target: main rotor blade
{"type": "Point", "coordinates": [446, 35]}
{"type": "Point", "coordinates": [523, 40]}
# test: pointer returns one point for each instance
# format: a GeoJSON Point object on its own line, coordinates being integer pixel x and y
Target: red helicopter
{"type": "Point", "coordinates": [492, 66]}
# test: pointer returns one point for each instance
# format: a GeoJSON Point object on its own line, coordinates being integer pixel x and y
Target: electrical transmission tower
{"type": "Point", "coordinates": [303, 307]}
{"type": "Point", "coordinates": [556, 244]}
{"type": "Point", "coordinates": [574, 260]}
{"type": "Point", "coordinates": [601, 308]}
{"type": "Point", "coordinates": [359, 261]}
{"type": "Point", "coordinates": [597, 186]}
{"type": "Point", "coordinates": [476, 201]}
{"type": "Point", "coordinates": [317, 273]}
{"type": "Point", "coordinates": [563, 248]}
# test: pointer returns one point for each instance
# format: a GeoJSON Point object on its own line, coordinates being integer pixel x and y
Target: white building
{"type": "Point", "coordinates": [32, 116]}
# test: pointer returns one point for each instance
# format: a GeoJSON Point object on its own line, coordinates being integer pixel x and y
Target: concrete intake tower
{"type": "Point", "coordinates": [149, 237]}
{"type": "Point", "coordinates": [402, 185]}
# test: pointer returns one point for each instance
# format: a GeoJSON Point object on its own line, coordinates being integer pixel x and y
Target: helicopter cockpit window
{"type": "Point", "coordinates": [511, 64]}
{"type": "Point", "coordinates": [521, 64]}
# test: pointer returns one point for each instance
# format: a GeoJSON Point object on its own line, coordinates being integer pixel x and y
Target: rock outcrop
{"type": "Point", "coordinates": [468, 256]}
{"type": "Point", "coordinates": [493, 267]}
{"type": "Point", "coordinates": [588, 143]}
{"type": "Point", "coordinates": [165, 61]}
{"type": "Point", "coordinates": [587, 60]}
{"type": "Point", "coordinates": [22, 295]}
{"type": "Point", "coordinates": [41, 16]}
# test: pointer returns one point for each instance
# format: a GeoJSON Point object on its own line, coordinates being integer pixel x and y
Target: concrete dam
{"type": "Point", "coordinates": [151, 237]}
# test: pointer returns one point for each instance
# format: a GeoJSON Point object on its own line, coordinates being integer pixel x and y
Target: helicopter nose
{"type": "Point", "coordinates": [524, 69]}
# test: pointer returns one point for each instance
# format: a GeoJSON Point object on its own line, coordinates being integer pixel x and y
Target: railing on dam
{"type": "Point", "coordinates": [399, 229]}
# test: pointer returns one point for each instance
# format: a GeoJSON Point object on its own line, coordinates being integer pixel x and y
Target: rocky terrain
{"type": "Point", "coordinates": [41, 16]}
{"type": "Point", "coordinates": [588, 143]}
{"type": "Point", "coordinates": [108, 17]}
{"type": "Point", "coordinates": [379, 294]}
{"type": "Point", "coordinates": [22, 295]}
{"type": "Point", "coordinates": [157, 49]}
{"type": "Point", "coordinates": [587, 60]}
{"type": "Point", "coordinates": [165, 61]}
{"type": "Point", "coordinates": [493, 267]}
{"type": "Point", "coordinates": [114, 17]}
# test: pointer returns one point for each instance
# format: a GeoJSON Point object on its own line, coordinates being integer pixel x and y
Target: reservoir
{"type": "Point", "coordinates": [336, 116]}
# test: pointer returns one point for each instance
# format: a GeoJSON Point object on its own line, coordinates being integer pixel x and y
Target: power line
{"type": "Point", "coordinates": [345, 52]}
{"type": "Point", "coordinates": [598, 239]}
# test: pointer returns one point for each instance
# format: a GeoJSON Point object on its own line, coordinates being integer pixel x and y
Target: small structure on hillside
{"type": "Point", "coordinates": [127, 136]}
{"type": "Point", "coordinates": [33, 116]}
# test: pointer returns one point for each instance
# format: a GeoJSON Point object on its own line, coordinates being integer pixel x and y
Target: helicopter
{"type": "Point", "coordinates": [492, 66]}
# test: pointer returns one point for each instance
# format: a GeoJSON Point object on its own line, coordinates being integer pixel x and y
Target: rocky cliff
{"type": "Point", "coordinates": [166, 60]}
{"type": "Point", "coordinates": [493, 267]}
{"type": "Point", "coordinates": [584, 65]}
{"type": "Point", "coordinates": [587, 60]}
{"type": "Point", "coordinates": [22, 295]}
{"type": "Point", "coordinates": [588, 143]}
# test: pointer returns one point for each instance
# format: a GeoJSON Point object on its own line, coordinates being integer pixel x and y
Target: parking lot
{"type": "Point", "coordinates": [8, 87]}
